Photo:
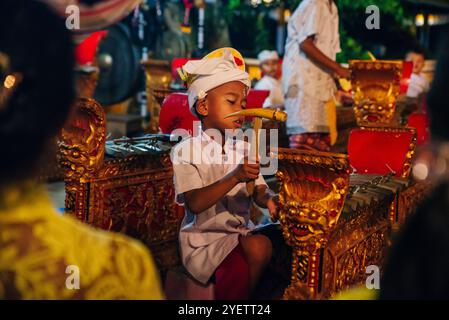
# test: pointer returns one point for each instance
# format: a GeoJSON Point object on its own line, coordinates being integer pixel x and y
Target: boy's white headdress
{"type": "Point", "coordinates": [267, 55]}
{"type": "Point", "coordinates": [217, 68]}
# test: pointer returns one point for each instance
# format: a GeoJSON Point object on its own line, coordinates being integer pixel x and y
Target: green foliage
{"type": "Point", "coordinates": [391, 7]}
{"type": "Point", "coordinates": [350, 49]}
{"type": "Point", "coordinates": [250, 25]}
{"type": "Point", "coordinates": [251, 22]}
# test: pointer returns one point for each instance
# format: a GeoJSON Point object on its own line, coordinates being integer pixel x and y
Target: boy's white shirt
{"type": "Point", "coordinates": [306, 87]}
{"type": "Point", "coordinates": [418, 85]}
{"type": "Point", "coordinates": [207, 238]}
{"type": "Point", "coordinates": [276, 97]}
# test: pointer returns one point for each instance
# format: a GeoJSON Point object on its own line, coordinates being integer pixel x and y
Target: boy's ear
{"type": "Point", "coordinates": [201, 107]}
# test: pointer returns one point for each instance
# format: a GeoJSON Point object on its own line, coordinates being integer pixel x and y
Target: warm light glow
{"type": "Point", "coordinates": [9, 82]}
{"type": "Point", "coordinates": [420, 171]}
{"type": "Point", "coordinates": [432, 19]}
{"type": "Point", "coordinates": [254, 3]}
{"type": "Point", "coordinates": [419, 20]}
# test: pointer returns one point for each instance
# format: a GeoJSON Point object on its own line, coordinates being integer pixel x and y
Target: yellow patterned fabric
{"type": "Point", "coordinates": [38, 246]}
{"type": "Point", "coordinates": [357, 293]}
{"type": "Point", "coordinates": [331, 109]}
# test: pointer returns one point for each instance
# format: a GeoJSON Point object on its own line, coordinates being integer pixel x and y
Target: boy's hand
{"type": "Point", "coordinates": [246, 172]}
{"type": "Point", "coordinates": [274, 207]}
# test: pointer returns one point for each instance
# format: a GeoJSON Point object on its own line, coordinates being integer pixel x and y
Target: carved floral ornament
{"type": "Point", "coordinates": [82, 141]}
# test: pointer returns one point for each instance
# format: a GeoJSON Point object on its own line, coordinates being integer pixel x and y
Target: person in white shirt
{"type": "Point", "coordinates": [269, 64]}
{"type": "Point", "coordinates": [216, 230]}
{"type": "Point", "coordinates": [308, 72]}
{"type": "Point", "coordinates": [418, 82]}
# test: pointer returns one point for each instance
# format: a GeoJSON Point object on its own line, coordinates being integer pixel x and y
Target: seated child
{"type": "Point", "coordinates": [269, 64]}
{"type": "Point", "coordinates": [418, 82]}
{"type": "Point", "coordinates": [216, 230]}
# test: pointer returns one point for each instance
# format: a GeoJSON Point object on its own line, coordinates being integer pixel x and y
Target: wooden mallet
{"type": "Point", "coordinates": [258, 115]}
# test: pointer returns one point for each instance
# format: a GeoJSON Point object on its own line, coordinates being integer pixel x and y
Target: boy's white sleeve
{"type": "Point", "coordinates": [186, 177]}
{"type": "Point", "coordinates": [308, 23]}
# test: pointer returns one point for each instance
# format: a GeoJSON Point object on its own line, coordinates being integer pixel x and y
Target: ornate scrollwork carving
{"type": "Point", "coordinates": [82, 140]}
{"type": "Point", "coordinates": [313, 188]}
{"type": "Point", "coordinates": [158, 78]}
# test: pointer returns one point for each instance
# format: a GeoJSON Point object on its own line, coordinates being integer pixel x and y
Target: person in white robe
{"type": "Point", "coordinates": [308, 71]}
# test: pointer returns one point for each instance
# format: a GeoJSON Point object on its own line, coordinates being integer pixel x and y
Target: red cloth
{"type": "Point", "coordinates": [373, 151]}
{"type": "Point", "coordinates": [256, 98]}
{"type": "Point", "coordinates": [178, 63]}
{"type": "Point", "coordinates": [420, 122]}
{"type": "Point", "coordinates": [232, 277]}
{"type": "Point", "coordinates": [407, 71]}
{"type": "Point", "coordinates": [86, 50]}
{"type": "Point", "coordinates": [175, 114]}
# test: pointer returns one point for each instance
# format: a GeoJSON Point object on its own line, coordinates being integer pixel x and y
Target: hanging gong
{"type": "Point", "coordinates": [118, 60]}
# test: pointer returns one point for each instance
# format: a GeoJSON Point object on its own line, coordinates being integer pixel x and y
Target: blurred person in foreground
{"type": "Point", "coordinates": [419, 260]}
{"type": "Point", "coordinates": [417, 264]}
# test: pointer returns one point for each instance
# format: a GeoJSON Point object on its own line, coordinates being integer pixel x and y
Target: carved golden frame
{"type": "Point", "coordinates": [376, 86]}
{"type": "Point", "coordinates": [158, 78]}
{"type": "Point", "coordinates": [313, 188]}
{"type": "Point", "coordinates": [142, 186]}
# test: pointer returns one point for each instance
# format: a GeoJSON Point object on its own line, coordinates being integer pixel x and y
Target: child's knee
{"type": "Point", "coordinates": [258, 249]}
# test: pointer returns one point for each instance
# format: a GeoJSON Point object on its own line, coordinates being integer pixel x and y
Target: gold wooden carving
{"type": "Point", "coordinates": [158, 78]}
{"type": "Point", "coordinates": [407, 202]}
{"type": "Point", "coordinates": [360, 239]}
{"type": "Point", "coordinates": [376, 86]}
{"type": "Point", "coordinates": [313, 187]}
{"type": "Point", "coordinates": [82, 140]}
{"type": "Point", "coordinates": [133, 195]}
{"type": "Point", "coordinates": [86, 81]}
{"type": "Point", "coordinates": [333, 242]}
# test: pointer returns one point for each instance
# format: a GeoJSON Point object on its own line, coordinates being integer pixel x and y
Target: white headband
{"type": "Point", "coordinates": [209, 73]}
{"type": "Point", "coordinates": [267, 55]}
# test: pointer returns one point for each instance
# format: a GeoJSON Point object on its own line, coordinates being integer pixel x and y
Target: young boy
{"type": "Point", "coordinates": [308, 72]}
{"type": "Point", "coordinates": [418, 82]}
{"type": "Point", "coordinates": [215, 235]}
{"type": "Point", "coordinates": [269, 64]}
